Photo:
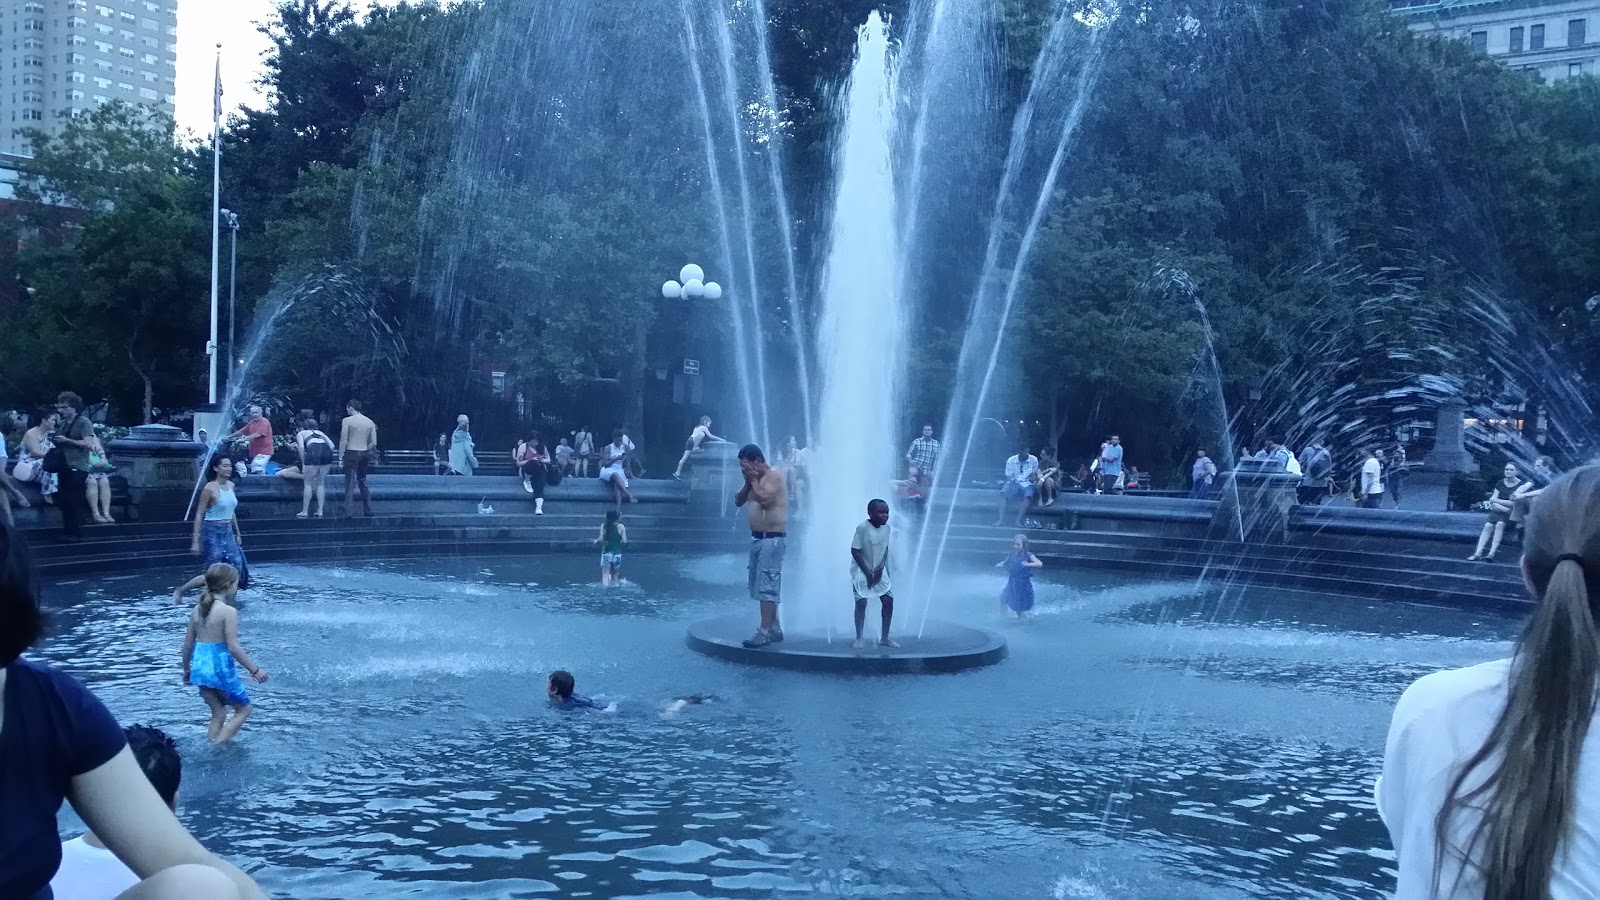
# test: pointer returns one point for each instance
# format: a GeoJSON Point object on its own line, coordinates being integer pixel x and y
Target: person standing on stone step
{"type": "Point", "coordinates": [765, 499]}
{"type": "Point", "coordinates": [700, 434]}
{"type": "Point", "coordinates": [869, 571]}
{"type": "Point", "coordinates": [358, 441]}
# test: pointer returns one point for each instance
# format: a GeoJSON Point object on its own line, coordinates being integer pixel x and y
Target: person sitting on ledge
{"type": "Point", "coordinates": [1491, 774]}
{"type": "Point", "coordinates": [561, 690]}
{"type": "Point", "coordinates": [1022, 472]}
{"type": "Point", "coordinates": [1502, 500]}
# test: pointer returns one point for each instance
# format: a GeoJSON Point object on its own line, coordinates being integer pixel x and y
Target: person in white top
{"type": "Point", "coordinates": [1491, 775]}
{"type": "Point", "coordinates": [90, 871]}
{"type": "Point", "coordinates": [1371, 481]}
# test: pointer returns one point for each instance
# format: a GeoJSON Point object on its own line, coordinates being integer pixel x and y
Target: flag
{"type": "Point", "coordinates": [216, 106]}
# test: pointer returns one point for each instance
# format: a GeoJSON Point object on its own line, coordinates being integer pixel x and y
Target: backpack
{"type": "Point", "coordinates": [319, 450]}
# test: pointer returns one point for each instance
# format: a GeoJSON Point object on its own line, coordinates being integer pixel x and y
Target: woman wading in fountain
{"type": "Point", "coordinates": [216, 528]}
{"type": "Point", "coordinates": [1491, 777]}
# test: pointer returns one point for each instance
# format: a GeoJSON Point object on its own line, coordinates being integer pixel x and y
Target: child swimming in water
{"type": "Point", "coordinates": [210, 647]}
{"type": "Point", "coordinates": [613, 537]}
{"type": "Point", "coordinates": [1017, 596]}
{"type": "Point", "coordinates": [561, 690]}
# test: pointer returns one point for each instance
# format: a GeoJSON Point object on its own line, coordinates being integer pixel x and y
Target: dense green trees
{"type": "Point", "coordinates": [437, 192]}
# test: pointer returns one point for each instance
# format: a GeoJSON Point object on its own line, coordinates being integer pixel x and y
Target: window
{"type": "Point", "coordinates": [149, 59]}
{"type": "Point", "coordinates": [33, 115]}
{"type": "Point", "coordinates": [32, 78]}
{"type": "Point", "coordinates": [77, 22]}
{"type": "Point", "coordinates": [33, 7]}
{"type": "Point", "coordinates": [1516, 39]}
{"type": "Point", "coordinates": [149, 24]}
{"type": "Point", "coordinates": [129, 17]}
{"type": "Point", "coordinates": [77, 77]}
{"type": "Point", "coordinates": [123, 85]}
{"type": "Point", "coordinates": [148, 76]}
{"type": "Point", "coordinates": [125, 71]}
{"type": "Point", "coordinates": [1574, 69]}
{"type": "Point", "coordinates": [32, 97]}
{"type": "Point", "coordinates": [128, 36]}
{"type": "Point", "coordinates": [76, 59]}
{"type": "Point", "coordinates": [150, 42]}
{"type": "Point", "coordinates": [1576, 32]}
{"type": "Point", "coordinates": [77, 40]}
{"type": "Point", "coordinates": [147, 94]}
{"type": "Point", "coordinates": [125, 52]}
{"type": "Point", "coordinates": [102, 82]}
{"type": "Point", "coordinates": [106, 11]}
{"type": "Point", "coordinates": [152, 6]}
{"type": "Point", "coordinates": [102, 65]}
{"type": "Point", "coordinates": [104, 46]}
{"type": "Point", "coordinates": [33, 25]}
{"type": "Point", "coordinates": [74, 95]}
{"type": "Point", "coordinates": [33, 43]}
{"type": "Point", "coordinates": [33, 62]}
{"type": "Point", "coordinates": [103, 28]}
{"type": "Point", "coordinates": [101, 98]}
{"type": "Point", "coordinates": [1480, 41]}
{"type": "Point", "coordinates": [1536, 37]}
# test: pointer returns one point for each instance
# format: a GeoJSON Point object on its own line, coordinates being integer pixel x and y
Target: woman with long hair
{"type": "Point", "coordinates": [30, 454]}
{"type": "Point", "coordinates": [61, 743]}
{"type": "Point", "coordinates": [216, 524]}
{"type": "Point", "coordinates": [1491, 776]}
{"type": "Point", "coordinates": [210, 647]}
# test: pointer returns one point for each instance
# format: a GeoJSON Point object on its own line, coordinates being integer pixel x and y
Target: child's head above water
{"type": "Point", "coordinates": [561, 685]}
{"type": "Point", "coordinates": [222, 579]}
{"type": "Point", "coordinates": [1020, 543]}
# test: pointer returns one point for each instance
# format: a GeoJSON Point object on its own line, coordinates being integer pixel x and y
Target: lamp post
{"type": "Point", "coordinates": [232, 219]}
{"type": "Point", "coordinates": [691, 285]}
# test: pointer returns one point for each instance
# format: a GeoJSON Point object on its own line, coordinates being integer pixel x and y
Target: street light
{"type": "Point", "coordinates": [691, 285]}
{"type": "Point", "coordinates": [233, 269]}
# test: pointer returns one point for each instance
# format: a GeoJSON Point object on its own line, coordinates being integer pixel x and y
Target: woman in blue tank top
{"type": "Point", "coordinates": [216, 528]}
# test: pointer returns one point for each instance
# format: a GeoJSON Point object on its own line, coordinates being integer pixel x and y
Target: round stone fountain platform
{"type": "Point", "coordinates": [943, 647]}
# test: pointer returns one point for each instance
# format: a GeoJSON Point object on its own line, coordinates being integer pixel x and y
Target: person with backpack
{"type": "Point", "coordinates": [1316, 464]}
{"type": "Point", "coordinates": [316, 458]}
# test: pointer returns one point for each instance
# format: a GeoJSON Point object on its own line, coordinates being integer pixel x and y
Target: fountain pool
{"type": "Point", "coordinates": [1145, 738]}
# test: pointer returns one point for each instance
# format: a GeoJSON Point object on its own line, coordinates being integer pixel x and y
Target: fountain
{"type": "Point", "coordinates": [860, 350]}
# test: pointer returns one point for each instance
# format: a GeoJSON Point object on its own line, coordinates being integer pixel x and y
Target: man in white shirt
{"type": "Point", "coordinates": [1022, 471]}
{"type": "Point", "coordinates": [1371, 481]}
{"type": "Point", "coordinates": [88, 870]}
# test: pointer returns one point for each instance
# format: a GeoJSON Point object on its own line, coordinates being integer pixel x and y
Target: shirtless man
{"type": "Point", "coordinates": [358, 440]}
{"type": "Point", "coordinates": [769, 516]}
{"type": "Point", "coordinates": [698, 436]}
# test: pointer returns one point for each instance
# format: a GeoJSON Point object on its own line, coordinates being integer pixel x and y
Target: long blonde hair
{"type": "Point", "coordinates": [220, 579]}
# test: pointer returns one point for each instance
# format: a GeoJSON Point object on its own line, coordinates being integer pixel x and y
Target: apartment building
{"type": "Point", "coordinates": [1553, 39]}
{"type": "Point", "coordinates": [61, 57]}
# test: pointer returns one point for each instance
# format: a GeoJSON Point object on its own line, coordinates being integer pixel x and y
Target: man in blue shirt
{"type": "Point", "coordinates": [1111, 465]}
{"type": "Point", "coordinates": [1022, 473]}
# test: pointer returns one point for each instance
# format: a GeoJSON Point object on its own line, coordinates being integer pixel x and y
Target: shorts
{"type": "Point", "coordinates": [1015, 491]}
{"type": "Point", "coordinates": [606, 474]}
{"type": "Point", "coordinates": [98, 476]}
{"type": "Point", "coordinates": [858, 584]}
{"type": "Point", "coordinates": [766, 569]}
{"type": "Point", "coordinates": [258, 464]}
{"type": "Point", "coordinates": [610, 560]}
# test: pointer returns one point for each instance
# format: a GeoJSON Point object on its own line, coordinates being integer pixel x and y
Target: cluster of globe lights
{"type": "Point", "coordinates": [693, 285]}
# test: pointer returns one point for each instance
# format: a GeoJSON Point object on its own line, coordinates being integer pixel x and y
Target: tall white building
{"type": "Point", "coordinates": [61, 57]}
{"type": "Point", "coordinates": [1553, 39]}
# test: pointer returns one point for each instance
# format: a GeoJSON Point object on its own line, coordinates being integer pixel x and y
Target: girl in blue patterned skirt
{"type": "Point", "coordinates": [210, 647]}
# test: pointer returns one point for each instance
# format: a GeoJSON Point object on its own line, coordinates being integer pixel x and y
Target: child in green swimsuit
{"type": "Point", "coordinates": [613, 537]}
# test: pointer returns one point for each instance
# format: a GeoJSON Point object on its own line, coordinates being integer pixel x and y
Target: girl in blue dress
{"type": "Point", "coordinates": [1018, 593]}
{"type": "Point", "coordinates": [210, 648]}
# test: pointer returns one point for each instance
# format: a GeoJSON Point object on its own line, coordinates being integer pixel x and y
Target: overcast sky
{"type": "Point", "coordinates": [202, 24]}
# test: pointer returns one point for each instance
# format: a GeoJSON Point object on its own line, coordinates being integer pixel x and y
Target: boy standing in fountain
{"type": "Point", "coordinates": [869, 570]}
{"type": "Point", "coordinates": [769, 516]}
{"type": "Point", "coordinates": [358, 440]}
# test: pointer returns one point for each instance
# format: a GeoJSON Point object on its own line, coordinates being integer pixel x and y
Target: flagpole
{"type": "Point", "coordinates": [216, 220]}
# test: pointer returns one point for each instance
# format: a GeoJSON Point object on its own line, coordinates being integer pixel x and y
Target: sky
{"type": "Point", "coordinates": [202, 24]}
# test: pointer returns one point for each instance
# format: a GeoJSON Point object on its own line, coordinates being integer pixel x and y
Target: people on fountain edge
{"type": "Point", "coordinates": [1022, 471]}
{"type": "Point", "coordinates": [699, 435]}
{"type": "Point", "coordinates": [869, 571]}
{"type": "Point", "coordinates": [765, 499]}
{"type": "Point", "coordinates": [358, 443]}
{"type": "Point", "coordinates": [1491, 774]}
{"type": "Point", "coordinates": [257, 430]}
{"type": "Point", "coordinates": [1511, 489]}
{"type": "Point", "coordinates": [1110, 466]}
{"type": "Point", "coordinates": [60, 743]}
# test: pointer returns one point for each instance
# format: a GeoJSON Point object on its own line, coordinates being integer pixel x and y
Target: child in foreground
{"type": "Point", "coordinates": [210, 647]}
{"type": "Point", "coordinates": [869, 571]}
{"type": "Point", "coordinates": [1017, 596]}
{"type": "Point", "coordinates": [613, 537]}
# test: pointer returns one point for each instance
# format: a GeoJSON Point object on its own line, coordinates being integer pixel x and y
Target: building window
{"type": "Point", "coordinates": [103, 46]}
{"type": "Point", "coordinates": [33, 7]}
{"type": "Point", "coordinates": [125, 86]}
{"type": "Point", "coordinates": [106, 11]}
{"type": "Point", "coordinates": [103, 28]}
{"type": "Point", "coordinates": [1480, 41]}
{"type": "Point", "coordinates": [33, 78]}
{"type": "Point", "coordinates": [125, 52]}
{"type": "Point", "coordinates": [33, 62]}
{"type": "Point", "coordinates": [33, 115]}
{"type": "Point", "coordinates": [76, 77]}
{"type": "Point", "coordinates": [1576, 32]}
{"type": "Point", "coordinates": [1516, 39]}
{"type": "Point", "coordinates": [125, 71]}
{"type": "Point", "coordinates": [129, 17]}
{"type": "Point", "coordinates": [32, 97]}
{"type": "Point", "coordinates": [76, 59]}
{"type": "Point", "coordinates": [102, 82]}
{"type": "Point", "coordinates": [77, 22]}
{"type": "Point", "coordinates": [1574, 69]}
{"type": "Point", "coordinates": [74, 95]}
{"type": "Point", "coordinates": [33, 43]}
{"type": "Point", "coordinates": [33, 25]}
{"type": "Point", "coordinates": [1536, 37]}
{"type": "Point", "coordinates": [147, 94]}
{"type": "Point", "coordinates": [102, 65]}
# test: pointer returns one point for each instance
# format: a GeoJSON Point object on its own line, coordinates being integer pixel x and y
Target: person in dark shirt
{"type": "Point", "coordinates": [60, 743]}
{"type": "Point", "coordinates": [560, 690]}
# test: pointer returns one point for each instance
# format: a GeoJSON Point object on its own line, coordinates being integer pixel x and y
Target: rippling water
{"type": "Point", "coordinates": [1145, 739]}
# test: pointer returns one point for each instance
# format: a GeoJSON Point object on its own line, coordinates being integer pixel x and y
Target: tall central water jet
{"type": "Point", "coordinates": [860, 338]}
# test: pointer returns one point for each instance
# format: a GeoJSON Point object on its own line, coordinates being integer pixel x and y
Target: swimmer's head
{"type": "Point", "coordinates": [561, 685]}
{"type": "Point", "coordinates": [1020, 543]}
{"type": "Point", "coordinates": [877, 513]}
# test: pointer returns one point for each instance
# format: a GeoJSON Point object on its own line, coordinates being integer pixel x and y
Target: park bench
{"type": "Point", "coordinates": [420, 462]}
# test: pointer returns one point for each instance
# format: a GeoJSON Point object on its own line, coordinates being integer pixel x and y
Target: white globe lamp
{"type": "Point", "coordinates": [691, 272]}
{"type": "Point", "coordinates": [672, 290]}
{"type": "Point", "coordinates": [713, 290]}
{"type": "Point", "coordinates": [693, 288]}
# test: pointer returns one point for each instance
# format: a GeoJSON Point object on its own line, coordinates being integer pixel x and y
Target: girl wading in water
{"type": "Point", "coordinates": [1491, 777]}
{"type": "Point", "coordinates": [210, 647]}
{"type": "Point", "coordinates": [216, 528]}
